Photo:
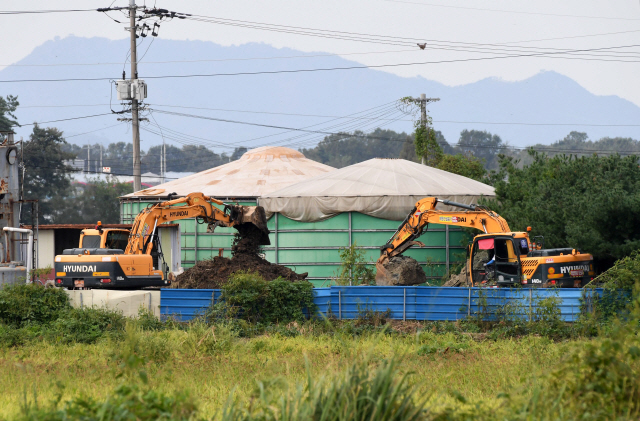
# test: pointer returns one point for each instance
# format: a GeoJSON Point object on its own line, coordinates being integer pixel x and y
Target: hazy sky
{"type": "Point", "coordinates": [521, 25]}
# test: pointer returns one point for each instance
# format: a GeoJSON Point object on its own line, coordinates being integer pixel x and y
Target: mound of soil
{"type": "Point", "coordinates": [215, 272]}
{"type": "Point", "coordinates": [400, 270]}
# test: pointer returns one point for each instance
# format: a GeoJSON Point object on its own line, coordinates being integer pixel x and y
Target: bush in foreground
{"type": "Point", "coordinates": [250, 297]}
{"type": "Point", "coordinates": [23, 304]}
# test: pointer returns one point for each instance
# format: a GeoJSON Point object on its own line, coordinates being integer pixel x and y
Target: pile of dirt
{"type": "Point", "coordinates": [245, 250]}
{"type": "Point", "coordinates": [400, 270]}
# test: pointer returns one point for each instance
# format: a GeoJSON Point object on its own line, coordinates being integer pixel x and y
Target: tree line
{"type": "Point", "coordinates": [575, 192]}
{"type": "Point", "coordinates": [119, 156]}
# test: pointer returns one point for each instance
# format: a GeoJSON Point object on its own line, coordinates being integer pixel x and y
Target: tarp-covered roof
{"type": "Point", "coordinates": [257, 172]}
{"type": "Point", "coordinates": [384, 188]}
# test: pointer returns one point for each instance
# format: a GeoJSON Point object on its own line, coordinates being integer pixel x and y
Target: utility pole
{"type": "Point", "coordinates": [164, 161]}
{"type": "Point", "coordinates": [423, 100]}
{"type": "Point", "coordinates": [88, 157]}
{"type": "Point", "coordinates": [137, 182]}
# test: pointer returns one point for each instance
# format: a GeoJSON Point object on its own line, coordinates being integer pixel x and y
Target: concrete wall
{"type": "Point", "coordinates": [129, 302]}
{"type": "Point", "coordinates": [10, 276]}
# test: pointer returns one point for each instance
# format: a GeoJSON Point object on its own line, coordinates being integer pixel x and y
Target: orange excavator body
{"type": "Point", "coordinates": [516, 260]}
{"type": "Point", "coordinates": [138, 265]}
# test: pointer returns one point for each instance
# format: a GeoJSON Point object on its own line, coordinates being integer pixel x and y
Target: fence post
{"type": "Point", "coordinates": [530, 297]}
{"type": "Point", "coordinates": [81, 302]}
{"type": "Point", "coordinates": [469, 304]}
{"type": "Point", "coordinates": [339, 304]}
{"type": "Point", "coordinates": [404, 305]}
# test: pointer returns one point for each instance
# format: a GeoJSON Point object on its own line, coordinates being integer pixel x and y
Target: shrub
{"type": "Point", "coordinates": [622, 275]}
{"type": "Point", "coordinates": [618, 284]}
{"type": "Point", "coordinates": [353, 267]}
{"type": "Point", "coordinates": [86, 325]}
{"type": "Point", "coordinates": [360, 393]}
{"type": "Point", "coordinates": [248, 296]}
{"type": "Point", "coordinates": [22, 304]}
{"type": "Point", "coordinates": [147, 321]}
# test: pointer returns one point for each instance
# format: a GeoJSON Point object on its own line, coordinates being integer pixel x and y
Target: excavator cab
{"type": "Point", "coordinates": [495, 261]}
{"type": "Point", "coordinates": [104, 238]}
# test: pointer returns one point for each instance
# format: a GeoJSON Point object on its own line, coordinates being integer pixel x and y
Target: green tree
{"type": "Point", "coordinates": [481, 144]}
{"type": "Point", "coordinates": [591, 203]}
{"type": "Point", "coordinates": [95, 201]}
{"type": "Point", "coordinates": [8, 107]}
{"type": "Point", "coordinates": [578, 143]}
{"type": "Point", "coordinates": [46, 177]}
{"type": "Point", "coordinates": [427, 147]}
{"type": "Point", "coordinates": [238, 152]}
{"type": "Point", "coordinates": [467, 166]}
{"type": "Point", "coordinates": [344, 149]}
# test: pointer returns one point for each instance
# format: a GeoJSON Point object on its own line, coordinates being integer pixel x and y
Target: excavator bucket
{"type": "Point", "coordinates": [254, 218]}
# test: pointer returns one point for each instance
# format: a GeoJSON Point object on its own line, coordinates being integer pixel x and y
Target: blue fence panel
{"type": "Point", "coordinates": [322, 299]}
{"type": "Point", "coordinates": [410, 303]}
{"type": "Point", "coordinates": [350, 302]}
{"type": "Point", "coordinates": [441, 303]}
{"type": "Point", "coordinates": [185, 304]}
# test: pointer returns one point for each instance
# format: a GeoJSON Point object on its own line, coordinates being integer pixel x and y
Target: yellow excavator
{"type": "Point", "coordinates": [498, 257]}
{"type": "Point", "coordinates": [98, 263]}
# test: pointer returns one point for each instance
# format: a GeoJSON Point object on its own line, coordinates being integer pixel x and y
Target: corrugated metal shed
{"type": "Point", "coordinates": [259, 171]}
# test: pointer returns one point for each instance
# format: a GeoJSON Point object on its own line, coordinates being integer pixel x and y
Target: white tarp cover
{"type": "Point", "coordinates": [384, 188]}
{"type": "Point", "coordinates": [257, 172]}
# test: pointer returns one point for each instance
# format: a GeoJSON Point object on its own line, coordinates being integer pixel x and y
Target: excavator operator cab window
{"type": "Point", "coordinates": [117, 240]}
{"type": "Point", "coordinates": [524, 246]}
{"type": "Point", "coordinates": [91, 242]}
{"type": "Point", "coordinates": [495, 260]}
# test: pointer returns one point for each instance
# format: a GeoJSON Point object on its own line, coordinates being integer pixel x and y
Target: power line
{"type": "Point", "coordinates": [64, 119]}
{"type": "Point", "coordinates": [333, 34]}
{"type": "Point", "coordinates": [30, 12]}
{"type": "Point", "coordinates": [321, 131]}
{"type": "Point", "coordinates": [214, 60]}
{"type": "Point", "coordinates": [511, 11]}
{"type": "Point", "coordinates": [313, 55]}
{"type": "Point", "coordinates": [93, 131]}
{"type": "Point", "coordinates": [379, 119]}
{"type": "Point", "coordinates": [533, 55]}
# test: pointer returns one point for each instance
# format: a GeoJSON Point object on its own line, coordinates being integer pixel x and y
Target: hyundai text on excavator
{"type": "Point", "coordinates": [101, 263]}
{"type": "Point", "coordinates": [498, 257]}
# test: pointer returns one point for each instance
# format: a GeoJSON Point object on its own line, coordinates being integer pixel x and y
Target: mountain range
{"type": "Point", "coordinates": [549, 103]}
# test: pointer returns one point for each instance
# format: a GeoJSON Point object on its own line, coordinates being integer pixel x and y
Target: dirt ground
{"type": "Point", "coordinates": [214, 273]}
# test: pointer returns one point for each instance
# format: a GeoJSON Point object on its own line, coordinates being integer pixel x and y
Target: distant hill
{"type": "Point", "coordinates": [547, 97]}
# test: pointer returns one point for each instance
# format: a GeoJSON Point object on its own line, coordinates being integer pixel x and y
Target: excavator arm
{"type": "Point", "coordinates": [424, 212]}
{"type": "Point", "coordinates": [195, 205]}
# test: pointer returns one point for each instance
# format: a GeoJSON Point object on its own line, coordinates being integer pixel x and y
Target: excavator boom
{"type": "Point", "coordinates": [195, 205]}
{"type": "Point", "coordinates": [424, 213]}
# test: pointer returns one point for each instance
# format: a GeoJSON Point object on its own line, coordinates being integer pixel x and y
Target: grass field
{"type": "Point", "coordinates": [211, 363]}
{"type": "Point", "coordinates": [62, 363]}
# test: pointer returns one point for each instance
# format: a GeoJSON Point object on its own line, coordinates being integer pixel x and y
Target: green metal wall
{"type": "Point", "coordinates": [314, 247]}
